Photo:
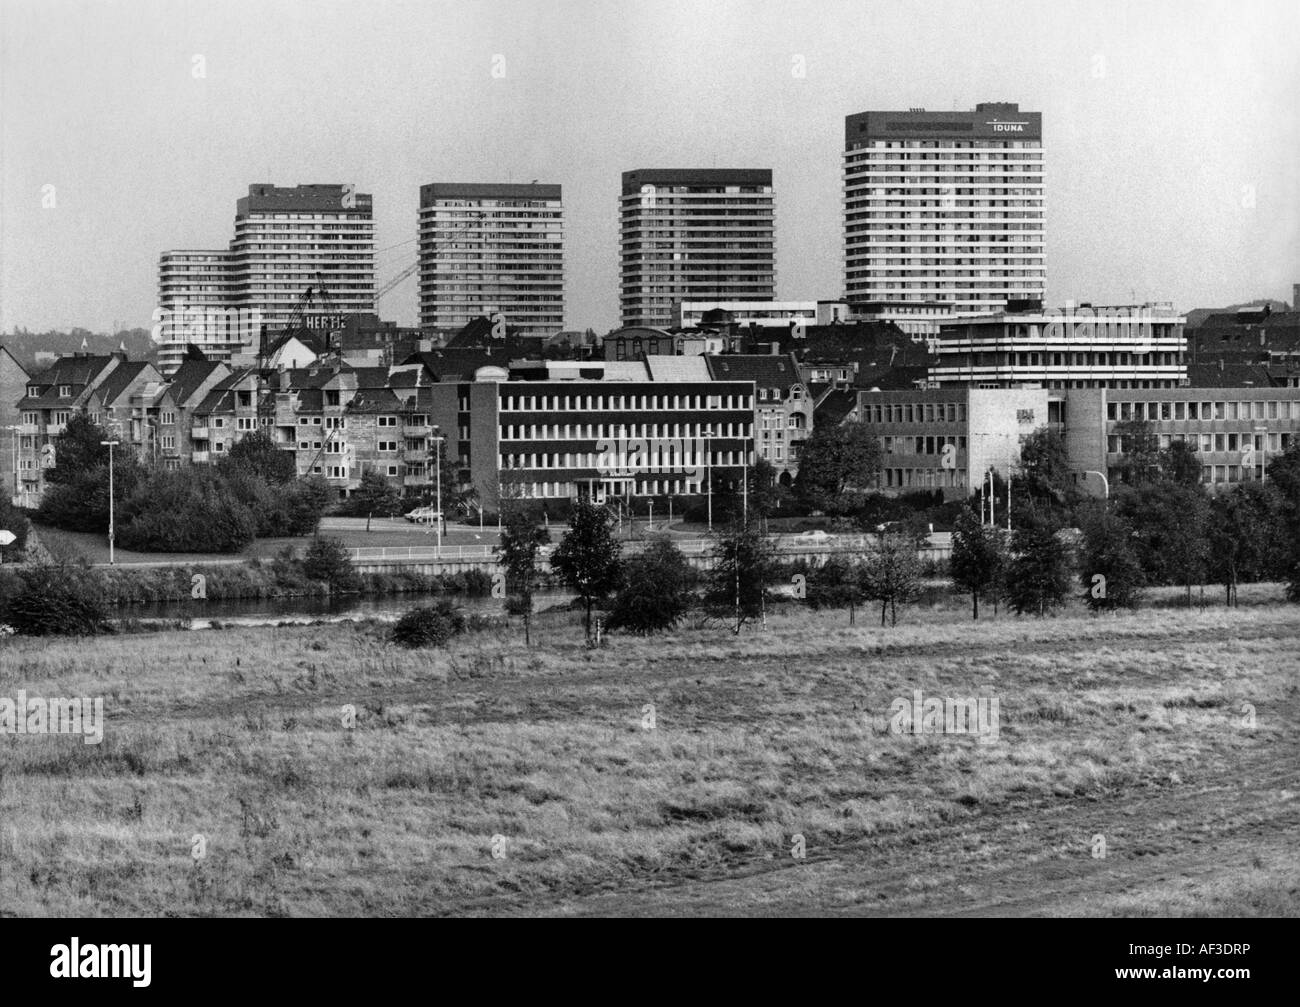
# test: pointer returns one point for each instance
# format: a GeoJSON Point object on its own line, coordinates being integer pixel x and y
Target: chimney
{"type": "Point", "coordinates": [1295, 297]}
{"type": "Point", "coordinates": [284, 379]}
{"type": "Point", "coordinates": [774, 349]}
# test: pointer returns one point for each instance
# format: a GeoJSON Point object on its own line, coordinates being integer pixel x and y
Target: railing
{"type": "Point", "coordinates": [424, 552]}
{"type": "Point", "coordinates": [200, 433]}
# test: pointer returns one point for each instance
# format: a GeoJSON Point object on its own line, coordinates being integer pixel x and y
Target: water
{"type": "Point", "coordinates": [272, 611]}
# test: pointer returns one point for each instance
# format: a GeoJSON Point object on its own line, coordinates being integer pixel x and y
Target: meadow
{"type": "Point", "coordinates": [699, 772]}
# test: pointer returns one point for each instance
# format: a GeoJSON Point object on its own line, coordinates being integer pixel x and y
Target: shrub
{"type": "Point", "coordinates": [55, 600]}
{"type": "Point", "coordinates": [656, 591]}
{"type": "Point", "coordinates": [185, 510]}
{"type": "Point", "coordinates": [327, 560]}
{"type": "Point", "coordinates": [430, 626]}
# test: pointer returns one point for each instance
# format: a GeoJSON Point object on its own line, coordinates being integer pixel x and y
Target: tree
{"type": "Point", "coordinates": [657, 589]}
{"type": "Point", "coordinates": [1038, 577]}
{"type": "Point", "coordinates": [1046, 476]}
{"type": "Point", "coordinates": [375, 495]}
{"type": "Point", "coordinates": [15, 521]}
{"type": "Point", "coordinates": [1180, 465]}
{"type": "Point", "coordinates": [185, 510]}
{"type": "Point", "coordinates": [1241, 545]}
{"type": "Point", "coordinates": [1109, 570]}
{"type": "Point", "coordinates": [258, 455]}
{"type": "Point", "coordinates": [57, 600]}
{"type": "Point", "coordinates": [836, 459]}
{"type": "Point", "coordinates": [1169, 522]}
{"type": "Point", "coordinates": [521, 537]}
{"type": "Point", "coordinates": [79, 449]}
{"type": "Point", "coordinates": [76, 496]}
{"type": "Point", "coordinates": [327, 560]}
{"type": "Point", "coordinates": [429, 626]}
{"type": "Point", "coordinates": [837, 583]}
{"type": "Point", "coordinates": [891, 573]}
{"type": "Point", "coordinates": [742, 568]}
{"type": "Point", "coordinates": [1284, 477]}
{"type": "Point", "coordinates": [588, 558]}
{"type": "Point", "coordinates": [764, 489]}
{"type": "Point", "coordinates": [1139, 445]}
{"type": "Point", "coordinates": [979, 558]}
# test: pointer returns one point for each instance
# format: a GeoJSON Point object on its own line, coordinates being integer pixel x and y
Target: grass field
{"type": "Point", "coordinates": [1129, 728]}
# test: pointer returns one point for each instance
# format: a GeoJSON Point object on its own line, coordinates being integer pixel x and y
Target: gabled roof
{"type": "Point", "coordinates": [834, 407]}
{"type": "Point", "coordinates": [189, 378]}
{"type": "Point", "coordinates": [766, 370]}
{"type": "Point", "coordinates": [120, 378]}
{"type": "Point", "coordinates": [460, 363]}
{"type": "Point", "coordinates": [74, 372]}
{"type": "Point", "coordinates": [375, 400]}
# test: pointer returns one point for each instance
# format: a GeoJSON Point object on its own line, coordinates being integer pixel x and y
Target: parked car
{"type": "Point", "coordinates": [816, 535]}
{"type": "Point", "coordinates": [423, 515]}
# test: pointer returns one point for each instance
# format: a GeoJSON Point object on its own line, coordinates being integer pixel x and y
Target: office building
{"type": "Point", "coordinates": [694, 234]}
{"type": "Point", "coordinates": [492, 250]}
{"type": "Point", "coordinates": [944, 207]}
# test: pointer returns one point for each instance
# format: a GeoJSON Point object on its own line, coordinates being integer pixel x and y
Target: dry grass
{"type": "Point", "coordinates": [237, 736]}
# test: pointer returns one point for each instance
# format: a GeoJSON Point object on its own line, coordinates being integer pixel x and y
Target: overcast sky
{"type": "Point", "coordinates": [1171, 130]}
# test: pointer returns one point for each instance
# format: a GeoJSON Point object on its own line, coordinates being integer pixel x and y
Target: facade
{"type": "Point", "coordinates": [492, 249]}
{"type": "Point", "coordinates": [947, 438]}
{"type": "Point", "coordinates": [1135, 346]}
{"type": "Point", "coordinates": [783, 407]}
{"type": "Point", "coordinates": [13, 385]}
{"type": "Point", "coordinates": [1234, 431]}
{"type": "Point", "coordinates": [630, 343]}
{"type": "Point", "coordinates": [52, 396]}
{"type": "Point", "coordinates": [286, 240]}
{"type": "Point", "coordinates": [944, 207]}
{"type": "Point", "coordinates": [694, 234]}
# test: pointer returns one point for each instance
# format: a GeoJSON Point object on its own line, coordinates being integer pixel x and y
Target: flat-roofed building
{"type": "Point", "coordinates": [1131, 346]}
{"type": "Point", "coordinates": [492, 250]}
{"type": "Point", "coordinates": [695, 234]}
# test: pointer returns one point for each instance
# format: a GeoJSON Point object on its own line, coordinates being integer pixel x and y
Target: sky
{"type": "Point", "coordinates": [1171, 130]}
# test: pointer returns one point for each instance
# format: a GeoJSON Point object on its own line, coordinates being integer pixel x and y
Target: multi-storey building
{"type": "Point", "coordinates": [783, 408]}
{"type": "Point", "coordinates": [286, 240]}
{"type": "Point", "coordinates": [944, 207]}
{"type": "Point", "coordinates": [695, 234]}
{"type": "Point", "coordinates": [53, 395]}
{"type": "Point", "coordinates": [492, 250]}
{"type": "Point", "coordinates": [13, 384]}
{"type": "Point", "coordinates": [1137, 346]}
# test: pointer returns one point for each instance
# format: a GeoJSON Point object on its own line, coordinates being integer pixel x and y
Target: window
{"type": "Point", "coordinates": [168, 442]}
{"type": "Point", "coordinates": [65, 391]}
{"type": "Point", "coordinates": [388, 445]}
{"type": "Point", "coordinates": [167, 419]}
{"type": "Point", "coordinates": [246, 422]}
{"type": "Point", "coordinates": [392, 470]}
{"type": "Point", "coordinates": [388, 421]}
{"type": "Point", "coordinates": [218, 422]}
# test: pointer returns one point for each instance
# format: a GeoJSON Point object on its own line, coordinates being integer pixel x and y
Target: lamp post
{"type": "Point", "coordinates": [709, 473]}
{"type": "Point", "coordinates": [112, 530]}
{"type": "Point", "coordinates": [13, 446]}
{"type": "Point", "coordinates": [1104, 481]}
{"type": "Point", "coordinates": [437, 468]}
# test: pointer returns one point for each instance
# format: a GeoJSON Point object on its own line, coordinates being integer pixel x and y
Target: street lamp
{"type": "Point", "coordinates": [13, 445]}
{"type": "Point", "coordinates": [112, 559]}
{"type": "Point", "coordinates": [437, 468]}
{"type": "Point", "coordinates": [708, 471]}
{"type": "Point", "coordinates": [1104, 481]}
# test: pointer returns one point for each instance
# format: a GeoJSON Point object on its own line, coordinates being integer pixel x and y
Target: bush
{"type": "Point", "coordinates": [327, 560]}
{"type": "Point", "coordinates": [14, 520]}
{"type": "Point", "coordinates": [656, 591]}
{"type": "Point", "coordinates": [56, 600]}
{"type": "Point", "coordinates": [185, 510]}
{"type": "Point", "coordinates": [430, 626]}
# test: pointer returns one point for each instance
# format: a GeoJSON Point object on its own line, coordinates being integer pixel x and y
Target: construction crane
{"type": "Point", "coordinates": [409, 270]}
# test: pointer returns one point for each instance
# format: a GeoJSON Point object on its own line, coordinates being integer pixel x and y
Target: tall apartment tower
{"type": "Point", "coordinates": [695, 234]}
{"type": "Point", "coordinates": [286, 240]}
{"type": "Point", "coordinates": [944, 208]}
{"type": "Point", "coordinates": [489, 249]}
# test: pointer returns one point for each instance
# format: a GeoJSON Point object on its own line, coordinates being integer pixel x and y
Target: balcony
{"type": "Point", "coordinates": [29, 429]}
{"type": "Point", "coordinates": [417, 429]}
{"type": "Point", "coordinates": [199, 433]}
{"type": "Point", "coordinates": [416, 455]}
{"type": "Point", "coordinates": [415, 480]}
{"type": "Point", "coordinates": [199, 457]}
{"type": "Point", "coordinates": [54, 429]}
